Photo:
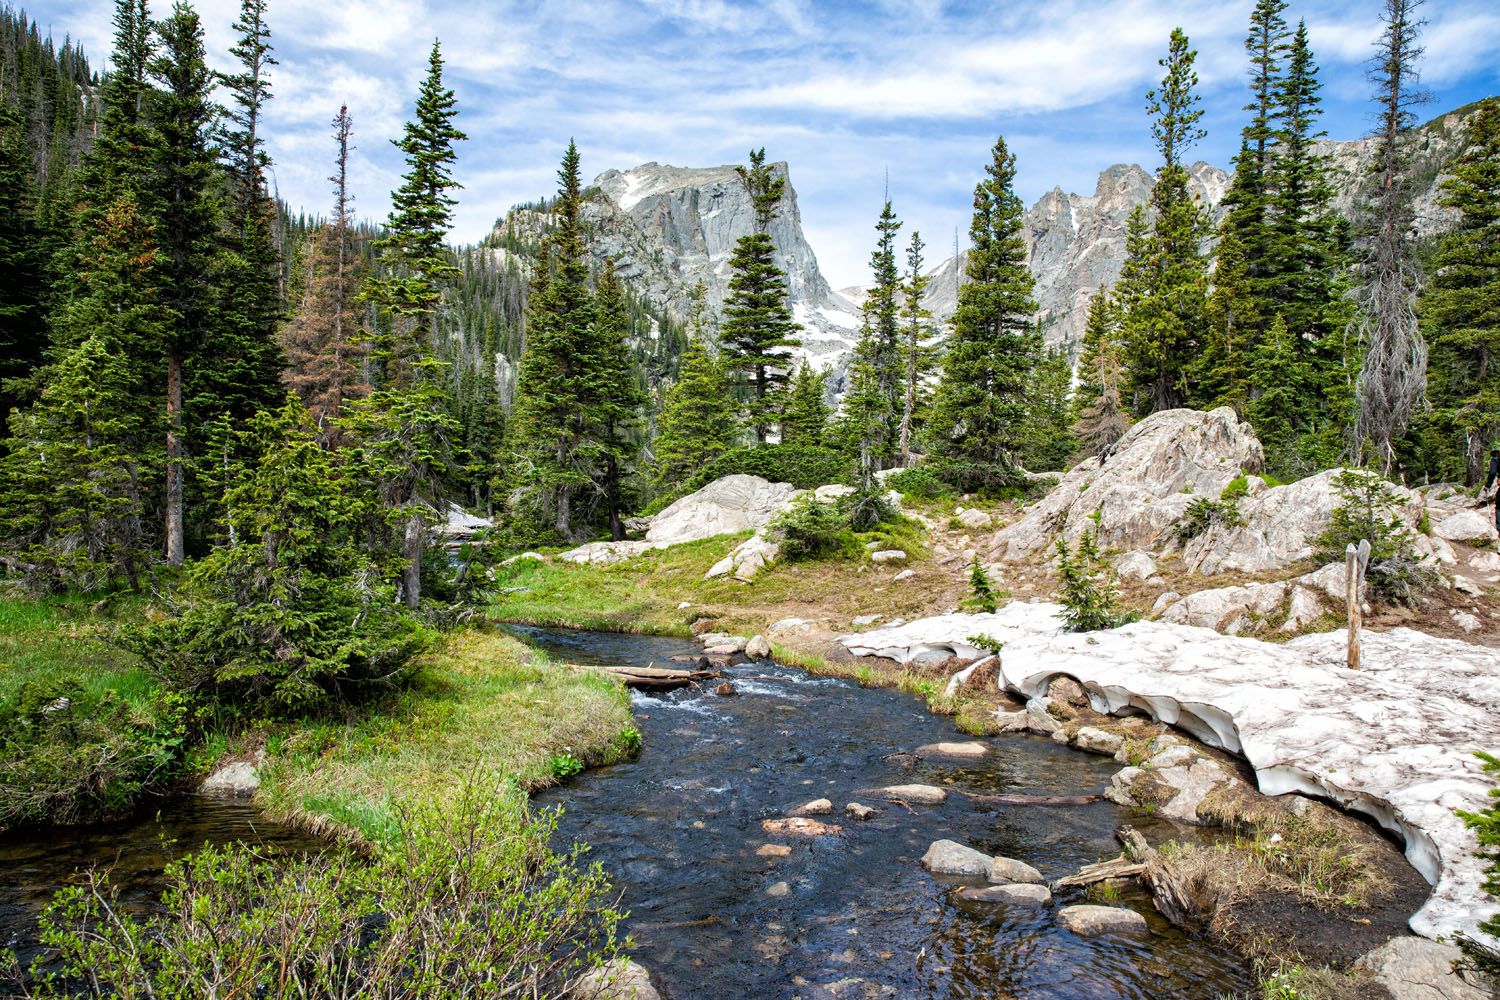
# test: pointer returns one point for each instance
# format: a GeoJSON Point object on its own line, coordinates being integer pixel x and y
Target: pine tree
{"type": "Point", "coordinates": [917, 355]}
{"type": "Point", "coordinates": [1248, 200]}
{"type": "Point", "coordinates": [413, 254]}
{"type": "Point", "coordinates": [616, 399]}
{"type": "Point", "coordinates": [325, 364]}
{"type": "Point", "coordinates": [1050, 442]}
{"type": "Point", "coordinates": [1100, 418]}
{"type": "Point", "coordinates": [862, 427]}
{"type": "Point", "coordinates": [1232, 329]}
{"type": "Point", "coordinates": [1168, 280]}
{"type": "Point", "coordinates": [758, 332]}
{"type": "Point", "coordinates": [1462, 306]}
{"type": "Point", "coordinates": [1393, 370]}
{"type": "Point", "coordinates": [882, 313]}
{"type": "Point", "coordinates": [979, 411]}
{"type": "Point", "coordinates": [22, 329]}
{"type": "Point", "coordinates": [251, 279]}
{"type": "Point", "coordinates": [804, 420]}
{"type": "Point", "coordinates": [1285, 397]}
{"type": "Point", "coordinates": [70, 501]}
{"type": "Point", "coordinates": [552, 393]}
{"type": "Point", "coordinates": [697, 420]}
{"type": "Point", "coordinates": [405, 425]}
{"type": "Point", "coordinates": [183, 180]}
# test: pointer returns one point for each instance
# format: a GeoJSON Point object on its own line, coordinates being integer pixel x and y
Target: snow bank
{"type": "Point", "coordinates": [1394, 740]}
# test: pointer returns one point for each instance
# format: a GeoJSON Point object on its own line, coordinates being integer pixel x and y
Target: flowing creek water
{"type": "Point", "coordinates": [679, 826]}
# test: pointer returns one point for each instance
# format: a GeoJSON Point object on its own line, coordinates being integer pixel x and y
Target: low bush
{"type": "Point", "coordinates": [1089, 592]}
{"type": "Point", "coordinates": [920, 483]}
{"type": "Point", "coordinates": [1369, 510]}
{"type": "Point", "coordinates": [804, 466]}
{"type": "Point", "coordinates": [1204, 515]}
{"type": "Point", "coordinates": [1482, 958]}
{"type": "Point", "coordinates": [999, 482]}
{"type": "Point", "coordinates": [811, 529]}
{"type": "Point", "coordinates": [69, 755]}
{"type": "Point", "coordinates": [463, 902]}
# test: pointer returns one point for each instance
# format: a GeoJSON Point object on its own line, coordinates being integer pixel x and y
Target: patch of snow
{"type": "Point", "coordinates": [1394, 740]}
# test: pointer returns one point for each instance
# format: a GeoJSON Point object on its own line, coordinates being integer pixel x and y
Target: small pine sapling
{"type": "Point", "coordinates": [982, 595]}
{"type": "Point", "coordinates": [1089, 591]}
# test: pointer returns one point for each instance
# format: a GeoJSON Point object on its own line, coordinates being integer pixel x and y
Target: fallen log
{"type": "Point", "coordinates": [1187, 902]}
{"type": "Point", "coordinates": [1121, 867]}
{"type": "Point", "coordinates": [650, 678]}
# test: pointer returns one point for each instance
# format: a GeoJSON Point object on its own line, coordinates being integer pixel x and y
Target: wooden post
{"type": "Point", "coordinates": [1355, 561]}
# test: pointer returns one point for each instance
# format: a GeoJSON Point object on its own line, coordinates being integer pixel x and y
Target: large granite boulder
{"type": "Point", "coordinates": [725, 506]}
{"type": "Point", "coordinates": [1142, 489]}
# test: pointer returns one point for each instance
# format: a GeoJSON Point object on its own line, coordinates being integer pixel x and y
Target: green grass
{"type": "Point", "coordinates": [57, 640]}
{"type": "Point", "coordinates": [486, 702]}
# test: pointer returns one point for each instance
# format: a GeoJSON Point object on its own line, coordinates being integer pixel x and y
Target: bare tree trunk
{"type": "Point", "coordinates": [174, 529]}
{"type": "Point", "coordinates": [411, 551]}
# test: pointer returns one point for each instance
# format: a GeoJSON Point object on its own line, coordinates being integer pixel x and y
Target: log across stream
{"type": "Point", "coordinates": [851, 914]}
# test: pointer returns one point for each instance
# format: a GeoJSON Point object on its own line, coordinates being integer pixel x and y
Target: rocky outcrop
{"type": "Point", "coordinates": [1417, 969]}
{"type": "Point", "coordinates": [620, 979]}
{"type": "Point", "coordinates": [1394, 740]}
{"type": "Point", "coordinates": [1140, 492]}
{"type": "Point", "coordinates": [725, 506]}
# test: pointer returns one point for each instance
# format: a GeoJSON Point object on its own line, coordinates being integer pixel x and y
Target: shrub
{"type": "Point", "coordinates": [982, 596]}
{"type": "Point", "coordinates": [292, 610]}
{"type": "Point", "coordinates": [804, 466]}
{"type": "Point", "coordinates": [472, 903]}
{"type": "Point", "coordinates": [1001, 482]}
{"type": "Point", "coordinates": [920, 483]}
{"type": "Point", "coordinates": [811, 529]}
{"type": "Point", "coordinates": [1369, 509]}
{"type": "Point", "coordinates": [1089, 592]}
{"type": "Point", "coordinates": [1204, 515]}
{"type": "Point", "coordinates": [70, 756]}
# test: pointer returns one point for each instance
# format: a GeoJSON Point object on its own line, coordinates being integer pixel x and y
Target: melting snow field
{"type": "Point", "coordinates": [1394, 740]}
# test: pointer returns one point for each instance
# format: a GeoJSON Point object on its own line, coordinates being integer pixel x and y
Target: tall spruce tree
{"type": "Point", "coordinates": [552, 392]}
{"type": "Point", "coordinates": [616, 400]}
{"type": "Point", "coordinates": [882, 312]}
{"type": "Point", "coordinates": [697, 421]}
{"type": "Point", "coordinates": [1393, 369]}
{"type": "Point", "coordinates": [1164, 318]}
{"type": "Point", "coordinates": [1462, 306]}
{"type": "Point", "coordinates": [1100, 417]}
{"type": "Point", "coordinates": [22, 318]}
{"type": "Point", "coordinates": [1049, 434]}
{"type": "Point", "coordinates": [758, 331]}
{"type": "Point", "coordinates": [405, 424]}
{"type": "Point", "coordinates": [978, 420]}
{"type": "Point", "coordinates": [183, 180]}
{"type": "Point", "coordinates": [804, 421]}
{"type": "Point", "coordinates": [917, 355]}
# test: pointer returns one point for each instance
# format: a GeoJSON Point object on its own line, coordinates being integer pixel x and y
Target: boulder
{"type": "Point", "coordinates": [237, 779]}
{"type": "Point", "coordinates": [1012, 895]}
{"type": "Point", "coordinates": [925, 795]}
{"type": "Point", "coordinates": [459, 525]}
{"type": "Point", "coordinates": [817, 807]}
{"type": "Point", "coordinates": [790, 626]}
{"type": "Point", "coordinates": [976, 519]}
{"type": "Point", "coordinates": [905, 574]}
{"type": "Point", "coordinates": [1039, 720]}
{"type": "Point", "coordinates": [1009, 871]}
{"type": "Point", "coordinates": [1089, 921]}
{"type": "Point", "coordinates": [1136, 565]}
{"type": "Point", "coordinates": [747, 559]}
{"type": "Point", "coordinates": [523, 557]}
{"type": "Point", "coordinates": [758, 648]}
{"type": "Point", "coordinates": [1142, 488]}
{"type": "Point", "coordinates": [725, 506]}
{"type": "Point", "coordinates": [620, 979]}
{"type": "Point", "coordinates": [725, 690]}
{"type": "Point", "coordinates": [1413, 968]}
{"type": "Point", "coordinates": [773, 851]}
{"type": "Point", "coordinates": [952, 750]}
{"type": "Point", "coordinates": [888, 556]}
{"type": "Point", "coordinates": [1303, 609]}
{"type": "Point", "coordinates": [860, 621]}
{"type": "Point", "coordinates": [778, 889]}
{"type": "Point", "coordinates": [1466, 526]}
{"type": "Point", "coordinates": [948, 857]}
{"type": "Point", "coordinates": [1174, 782]}
{"type": "Point", "coordinates": [832, 492]}
{"type": "Point", "coordinates": [855, 810]}
{"type": "Point", "coordinates": [1096, 740]}
{"type": "Point", "coordinates": [1232, 610]}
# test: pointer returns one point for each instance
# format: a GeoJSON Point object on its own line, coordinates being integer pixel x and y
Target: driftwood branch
{"type": "Point", "coordinates": [1121, 867]}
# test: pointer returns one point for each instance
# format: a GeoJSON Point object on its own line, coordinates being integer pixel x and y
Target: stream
{"type": "Point", "coordinates": [847, 916]}
{"type": "Point", "coordinates": [679, 827]}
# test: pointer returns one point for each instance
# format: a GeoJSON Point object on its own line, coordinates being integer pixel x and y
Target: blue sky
{"type": "Point", "coordinates": [844, 91]}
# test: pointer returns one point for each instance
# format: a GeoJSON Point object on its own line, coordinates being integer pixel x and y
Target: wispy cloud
{"type": "Point", "coordinates": [843, 89]}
